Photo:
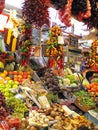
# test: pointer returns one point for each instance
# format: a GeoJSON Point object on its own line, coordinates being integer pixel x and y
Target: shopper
{"type": "Point", "coordinates": [88, 78]}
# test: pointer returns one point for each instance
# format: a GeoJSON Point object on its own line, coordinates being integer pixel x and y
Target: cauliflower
{"type": "Point", "coordinates": [66, 81]}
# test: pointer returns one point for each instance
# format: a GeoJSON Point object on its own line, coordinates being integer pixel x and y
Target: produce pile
{"type": "Point", "coordinates": [17, 76]}
{"type": "Point", "coordinates": [70, 79]}
{"type": "Point", "coordinates": [93, 90]}
{"type": "Point", "coordinates": [50, 81]}
{"type": "Point", "coordinates": [85, 99]}
{"type": "Point", "coordinates": [36, 105]}
{"type": "Point", "coordinates": [4, 111]}
{"type": "Point", "coordinates": [56, 117]}
{"type": "Point", "coordinates": [17, 106]}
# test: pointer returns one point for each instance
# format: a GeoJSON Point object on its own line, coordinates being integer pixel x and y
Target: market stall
{"type": "Point", "coordinates": [41, 82]}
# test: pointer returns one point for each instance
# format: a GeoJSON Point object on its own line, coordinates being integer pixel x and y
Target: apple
{"type": "Point", "coordinates": [15, 86]}
{"type": "Point", "coordinates": [2, 85]}
{"type": "Point", "coordinates": [8, 85]}
{"type": "Point", "coordinates": [16, 82]}
{"type": "Point", "coordinates": [10, 82]}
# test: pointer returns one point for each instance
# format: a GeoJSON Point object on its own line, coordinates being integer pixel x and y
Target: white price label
{"type": "Point", "coordinates": [77, 67]}
{"type": "Point", "coordinates": [60, 40]}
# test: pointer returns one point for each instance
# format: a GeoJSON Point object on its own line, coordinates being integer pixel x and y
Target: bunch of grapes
{"type": "Point", "coordinates": [17, 106]}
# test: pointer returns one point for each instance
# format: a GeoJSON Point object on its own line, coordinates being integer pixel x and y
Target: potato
{"type": "Point", "coordinates": [33, 128]}
{"type": "Point", "coordinates": [53, 113]}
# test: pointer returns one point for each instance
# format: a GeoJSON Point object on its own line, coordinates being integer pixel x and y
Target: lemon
{"type": "Point", "coordinates": [1, 65]}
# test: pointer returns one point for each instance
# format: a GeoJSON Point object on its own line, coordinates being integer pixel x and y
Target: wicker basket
{"type": "Point", "coordinates": [81, 106]}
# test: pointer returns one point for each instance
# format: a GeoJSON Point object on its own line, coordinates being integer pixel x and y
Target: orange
{"type": "Point", "coordinates": [2, 75]}
{"type": "Point", "coordinates": [28, 72]}
{"type": "Point", "coordinates": [20, 72]}
{"type": "Point", "coordinates": [19, 76]}
{"type": "Point", "coordinates": [15, 76]}
{"type": "Point", "coordinates": [10, 72]}
{"type": "Point", "coordinates": [15, 72]}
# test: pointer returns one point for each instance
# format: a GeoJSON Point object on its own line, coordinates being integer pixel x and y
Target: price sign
{"type": "Point", "coordinates": [73, 41]}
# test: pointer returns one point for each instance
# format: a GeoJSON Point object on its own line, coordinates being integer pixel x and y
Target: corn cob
{"type": "Point", "coordinates": [14, 42]}
{"type": "Point", "coordinates": [9, 36]}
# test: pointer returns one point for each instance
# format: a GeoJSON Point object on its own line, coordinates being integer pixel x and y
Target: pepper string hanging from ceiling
{"type": "Point", "coordinates": [93, 20]}
{"type": "Point", "coordinates": [55, 51]}
{"type": "Point", "coordinates": [83, 10]}
{"type": "Point", "coordinates": [65, 13]}
{"type": "Point", "coordinates": [2, 5]}
{"type": "Point", "coordinates": [94, 56]}
{"type": "Point", "coordinates": [36, 12]}
{"type": "Point", "coordinates": [79, 9]}
{"type": "Point", "coordinates": [25, 43]}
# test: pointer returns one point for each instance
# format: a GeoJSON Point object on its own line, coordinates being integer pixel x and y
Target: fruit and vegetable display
{"type": "Point", "coordinates": [40, 99]}
{"type": "Point", "coordinates": [55, 117]}
{"type": "Point", "coordinates": [94, 56]}
{"type": "Point", "coordinates": [16, 106]}
{"type": "Point", "coordinates": [18, 76]}
{"type": "Point", "coordinates": [70, 79]}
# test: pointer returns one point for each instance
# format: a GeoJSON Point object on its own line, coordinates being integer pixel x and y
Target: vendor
{"type": "Point", "coordinates": [88, 78]}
